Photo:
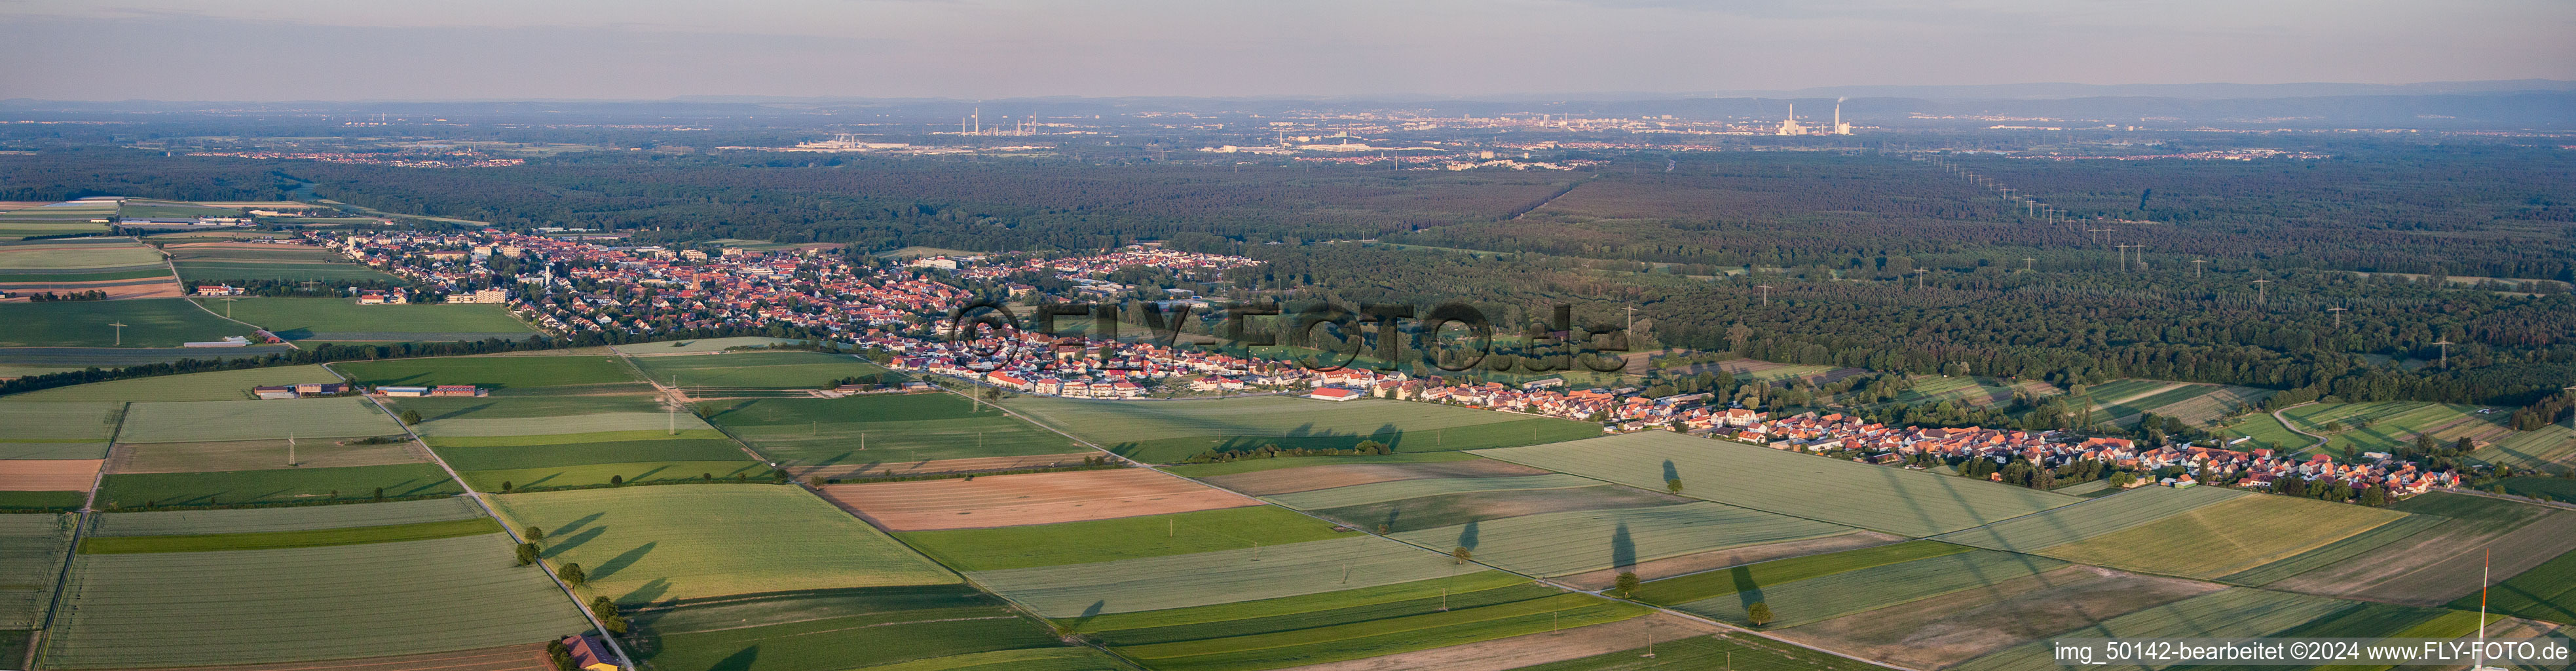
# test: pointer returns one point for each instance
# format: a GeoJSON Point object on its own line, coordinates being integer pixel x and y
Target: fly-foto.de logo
{"type": "Point", "coordinates": [1380, 330]}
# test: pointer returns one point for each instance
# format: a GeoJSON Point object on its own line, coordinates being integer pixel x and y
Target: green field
{"type": "Point", "coordinates": [650, 544]}
{"type": "Point", "coordinates": [1116, 539]}
{"type": "Point", "coordinates": [2267, 433]}
{"type": "Point", "coordinates": [57, 422]}
{"type": "Point", "coordinates": [516, 457]}
{"type": "Point", "coordinates": [41, 501]}
{"type": "Point", "coordinates": [1258, 616]}
{"type": "Point", "coordinates": [669, 424]}
{"type": "Point", "coordinates": [233, 271]}
{"type": "Point", "coordinates": [79, 276]}
{"type": "Point", "coordinates": [2338, 552]}
{"type": "Point", "coordinates": [63, 255]}
{"type": "Point", "coordinates": [1834, 595]}
{"type": "Point", "coordinates": [1729, 651]}
{"type": "Point", "coordinates": [96, 450]}
{"type": "Point", "coordinates": [1255, 465]}
{"type": "Point", "coordinates": [2046, 529]}
{"type": "Point", "coordinates": [1379, 492]}
{"type": "Point", "coordinates": [915, 627]}
{"type": "Point", "coordinates": [536, 403]}
{"type": "Point", "coordinates": [815, 432]}
{"type": "Point", "coordinates": [222, 385]}
{"type": "Point", "coordinates": [2545, 592]}
{"type": "Point", "coordinates": [2226, 537]}
{"type": "Point", "coordinates": [1693, 587]}
{"type": "Point", "coordinates": [638, 472]}
{"type": "Point", "coordinates": [31, 556]}
{"type": "Point", "coordinates": [2561, 490]}
{"type": "Point", "coordinates": [1389, 634]}
{"type": "Point", "coordinates": [2389, 425]}
{"type": "Point", "coordinates": [2234, 613]}
{"type": "Point", "coordinates": [503, 372]}
{"type": "Point", "coordinates": [570, 438]}
{"type": "Point", "coordinates": [769, 370]}
{"type": "Point", "coordinates": [1894, 500]}
{"type": "Point", "coordinates": [1959, 391]}
{"type": "Point", "coordinates": [255, 606]}
{"type": "Point", "coordinates": [1170, 431]}
{"type": "Point", "coordinates": [298, 518]}
{"type": "Point", "coordinates": [149, 322]}
{"type": "Point", "coordinates": [1445, 510]}
{"type": "Point", "coordinates": [349, 483]}
{"type": "Point", "coordinates": [205, 421]}
{"type": "Point", "coordinates": [274, 540]}
{"type": "Point", "coordinates": [2552, 447]}
{"type": "Point", "coordinates": [1554, 544]}
{"type": "Point", "coordinates": [1208, 578]}
{"type": "Point", "coordinates": [701, 345]}
{"type": "Point", "coordinates": [322, 318]}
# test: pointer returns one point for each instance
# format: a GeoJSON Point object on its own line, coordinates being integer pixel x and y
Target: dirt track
{"type": "Point", "coordinates": [1035, 498]}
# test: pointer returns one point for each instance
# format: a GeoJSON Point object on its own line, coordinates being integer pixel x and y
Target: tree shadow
{"type": "Point", "coordinates": [1745, 590]}
{"type": "Point", "coordinates": [1670, 472]}
{"type": "Point", "coordinates": [648, 593]}
{"type": "Point", "coordinates": [1468, 536]}
{"type": "Point", "coordinates": [460, 412]}
{"type": "Point", "coordinates": [1623, 549]}
{"type": "Point", "coordinates": [1088, 613]}
{"type": "Point", "coordinates": [562, 544]}
{"type": "Point", "coordinates": [623, 560]}
{"type": "Point", "coordinates": [576, 525]}
{"type": "Point", "coordinates": [740, 661]}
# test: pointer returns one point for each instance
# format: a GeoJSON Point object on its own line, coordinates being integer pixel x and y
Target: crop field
{"type": "Point", "coordinates": [1206, 578]}
{"type": "Point", "coordinates": [1943, 630]}
{"type": "Point", "coordinates": [28, 360]}
{"type": "Point", "coordinates": [1771, 371]}
{"type": "Point", "coordinates": [273, 540]}
{"type": "Point", "coordinates": [649, 544]}
{"type": "Point", "coordinates": [636, 472]}
{"type": "Point", "coordinates": [67, 278]}
{"type": "Point", "coordinates": [1257, 465]}
{"type": "Point", "coordinates": [149, 322]}
{"type": "Point", "coordinates": [2545, 489]}
{"type": "Point", "coordinates": [1406, 489]}
{"type": "Point", "coordinates": [2266, 432]}
{"type": "Point", "coordinates": [770, 370]}
{"type": "Point", "coordinates": [1034, 498]}
{"type": "Point", "coordinates": [251, 455]}
{"type": "Point", "coordinates": [2205, 403]}
{"type": "Point", "coordinates": [48, 475]}
{"type": "Point", "coordinates": [2388, 425]}
{"type": "Point", "coordinates": [1894, 500]}
{"type": "Point", "coordinates": [2546, 592]}
{"type": "Point", "coordinates": [222, 385]}
{"type": "Point", "coordinates": [2443, 562]}
{"type": "Point", "coordinates": [2226, 537]}
{"type": "Point", "coordinates": [2553, 447]}
{"type": "Point", "coordinates": [1122, 538]}
{"type": "Point", "coordinates": [605, 422]}
{"type": "Point", "coordinates": [1838, 594]}
{"type": "Point", "coordinates": [831, 630]}
{"type": "Point", "coordinates": [1168, 431]}
{"type": "Point", "coordinates": [1455, 509]}
{"type": "Point", "coordinates": [57, 422]}
{"type": "Point", "coordinates": [254, 606]}
{"type": "Point", "coordinates": [937, 466]}
{"type": "Point", "coordinates": [301, 518]}
{"type": "Point", "coordinates": [31, 555]}
{"type": "Point", "coordinates": [515, 457]}
{"type": "Point", "coordinates": [1394, 634]}
{"type": "Point", "coordinates": [1332, 472]}
{"type": "Point", "coordinates": [506, 372]}
{"type": "Point", "coordinates": [1551, 544]}
{"type": "Point", "coordinates": [540, 403]}
{"type": "Point", "coordinates": [1698, 586]}
{"type": "Point", "coordinates": [1732, 651]}
{"type": "Point", "coordinates": [1259, 616]}
{"type": "Point", "coordinates": [701, 345]}
{"type": "Point", "coordinates": [867, 433]}
{"type": "Point", "coordinates": [321, 318]}
{"type": "Point", "coordinates": [2059, 526]}
{"type": "Point", "coordinates": [234, 271]}
{"type": "Point", "coordinates": [572, 439]}
{"type": "Point", "coordinates": [349, 483]}
{"type": "Point", "coordinates": [53, 450]}
{"type": "Point", "coordinates": [50, 502]}
{"type": "Point", "coordinates": [2233, 613]}
{"type": "Point", "coordinates": [1961, 391]}
{"type": "Point", "coordinates": [206, 421]}
{"type": "Point", "coordinates": [2338, 552]}
{"type": "Point", "coordinates": [73, 255]}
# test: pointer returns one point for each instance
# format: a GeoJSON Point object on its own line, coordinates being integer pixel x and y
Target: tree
{"type": "Point", "coordinates": [1628, 583]}
{"type": "Point", "coordinates": [380, 493]}
{"type": "Point", "coordinates": [505, 486]}
{"type": "Point", "coordinates": [1759, 613]}
{"type": "Point", "coordinates": [616, 480]}
{"type": "Point", "coordinates": [527, 553]}
{"type": "Point", "coordinates": [606, 610]}
{"type": "Point", "coordinates": [534, 533]}
{"type": "Point", "coordinates": [572, 575]}
{"type": "Point", "coordinates": [1673, 485]}
{"type": "Point", "coordinates": [410, 417]}
{"type": "Point", "coordinates": [1461, 554]}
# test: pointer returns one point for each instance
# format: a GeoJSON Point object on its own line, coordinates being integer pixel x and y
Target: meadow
{"type": "Point", "coordinates": [149, 322]}
{"type": "Point", "coordinates": [1960, 391]}
{"type": "Point", "coordinates": [648, 544]}
{"type": "Point", "coordinates": [57, 422]}
{"type": "Point", "coordinates": [349, 483]}
{"type": "Point", "coordinates": [2226, 537]}
{"type": "Point", "coordinates": [1834, 595]}
{"type": "Point", "coordinates": [31, 556]}
{"type": "Point", "coordinates": [1207, 578]}
{"type": "Point", "coordinates": [1117, 539]}
{"type": "Point", "coordinates": [2059, 526]}
{"type": "Point", "coordinates": [1554, 544]}
{"type": "Point", "coordinates": [1379, 492]}
{"type": "Point", "coordinates": [299, 518]}
{"type": "Point", "coordinates": [205, 421]}
{"type": "Point", "coordinates": [2267, 433]}
{"type": "Point", "coordinates": [2234, 613]}
{"type": "Point", "coordinates": [1169, 431]}
{"type": "Point", "coordinates": [222, 385]}
{"type": "Point", "coordinates": [765, 370]}
{"type": "Point", "coordinates": [491, 372]}
{"type": "Point", "coordinates": [338, 318]}
{"type": "Point", "coordinates": [256, 606]}
{"type": "Point", "coordinates": [924, 638]}
{"type": "Point", "coordinates": [1894, 500]}
{"type": "Point", "coordinates": [2389, 425]}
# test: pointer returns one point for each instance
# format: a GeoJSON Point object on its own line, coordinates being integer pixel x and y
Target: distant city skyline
{"type": "Point", "coordinates": [654, 49]}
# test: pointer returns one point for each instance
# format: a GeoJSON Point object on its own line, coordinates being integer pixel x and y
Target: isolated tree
{"type": "Point", "coordinates": [527, 553]}
{"type": "Point", "coordinates": [380, 493]}
{"type": "Point", "coordinates": [572, 575]}
{"type": "Point", "coordinates": [1383, 529]}
{"type": "Point", "coordinates": [1759, 613]}
{"type": "Point", "coordinates": [410, 417]}
{"type": "Point", "coordinates": [1461, 554]}
{"type": "Point", "coordinates": [534, 533]}
{"type": "Point", "coordinates": [616, 480]}
{"type": "Point", "coordinates": [1628, 583]}
{"type": "Point", "coordinates": [1673, 485]}
{"type": "Point", "coordinates": [505, 485]}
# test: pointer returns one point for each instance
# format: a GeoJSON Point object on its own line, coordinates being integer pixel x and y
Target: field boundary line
{"type": "Point", "coordinates": [628, 663]}
{"type": "Point", "coordinates": [44, 632]}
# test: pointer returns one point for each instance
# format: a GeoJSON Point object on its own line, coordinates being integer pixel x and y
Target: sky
{"type": "Point", "coordinates": [970, 49]}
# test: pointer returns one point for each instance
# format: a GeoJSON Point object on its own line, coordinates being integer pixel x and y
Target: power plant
{"type": "Point", "coordinates": [1790, 126]}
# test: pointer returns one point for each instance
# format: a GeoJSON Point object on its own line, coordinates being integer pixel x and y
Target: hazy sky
{"type": "Point", "coordinates": [520, 49]}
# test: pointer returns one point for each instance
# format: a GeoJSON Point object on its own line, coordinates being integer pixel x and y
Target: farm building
{"type": "Point", "coordinates": [273, 393]}
{"type": "Point", "coordinates": [1333, 394]}
{"type": "Point", "coordinates": [587, 654]}
{"type": "Point", "coordinates": [457, 390]}
{"type": "Point", "coordinates": [405, 392]}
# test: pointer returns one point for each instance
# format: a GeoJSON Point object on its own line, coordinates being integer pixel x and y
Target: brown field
{"type": "Point", "coordinates": [1956, 627]}
{"type": "Point", "coordinates": [2440, 564]}
{"type": "Point", "coordinates": [48, 475]}
{"type": "Point", "coordinates": [1304, 478]}
{"type": "Point", "coordinates": [927, 467]}
{"type": "Point", "coordinates": [528, 657]}
{"type": "Point", "coordinates": [1718, 559]}
{"type": "Point", "coordinates": [116, 289]}
{"type": "Point", "coordinates": [1035, 498]}
{"type": "Point", "coordinates": [249, 455]}
{"type": "Point", "coordinates": [1530, 649]}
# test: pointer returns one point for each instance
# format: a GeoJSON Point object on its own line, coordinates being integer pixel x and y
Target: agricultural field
{"type": "Point", "coordinates": [501, 372]}
{"type": "Point", "coordinates": [1398, 490]}
{"type": "Point", "coordinates": [1301, 474]}
{"type": "Point", "coordinates": [638, 472]}
{"type": "Point", "coordinates": [701, 345]}
{"type": "Point", "coordinates": [2267, 433]}
{"type": "Point", "coordinates": [229, 270]}
{"type": "Point", "coordinates": [1940, 631]}
{"type": "Point", "coordinates": [2351, 547]}
{"type": "Point", "coordinates": [222, 385]}
{"type": "Point", "coordinates": [2040, 531]}
{"type": "Point", "coordinates": [205, 421]}
{"type": "Point", "coordinates": [2442, 563]}
{"type": "Point", "coordinates": [2388, 425]}
{"type": "Point", "coordinates": [910, 627]}
{"type": "Point", "coordinates": [582, 452]}
{"type": "Point", "coordinates": [1773, 371]}
{"type": "Point", "coordinates": [251, 455]}
{"type": "Point", "coordinates": [1835, 595]}
{"type": "Point", "coordinates": [1255, 465]}
{"type": "Point", "coordinates": [21, 220]}
{"type": "Point", "coordinates": [2560, 490]}
{"type": "Point", "coordinates": [305, 603]}
{"type": "Point", "coordinates": [149, 322]}
{"type": "Point", "coordinates": [1123, 538]}
{"type": "Point", "coordinates": [2122, 402]}
{"type": "Point", "coordinates": [345, 319]}
{"type": "Point", "coordinates": [75, 255]}
{"type": "Point", "coordinates": [31, 555]}
{"type": "Point", "coordinates": [1893, 500]}
{"type": "Point", "coordinates": [494, 423]}
{"type": "Point", "coordinates": [1554, 544]}
{"type": "Point", "coordinates": [1169, 431]}
{"type": "Point", "coordinates": [857, 436]}
{"type": "Point", "coordinates": [15, 450]}
{"type": "Point", "coordinates": [1418, 627]}
{"type": "Point", "coordinates": [1730, 651]}
{"type": "Point", "coordinates": [81, 422]}
{"type": "Point", "coordinates": [48, 475]}
{"type": "Point", "coordinates": [2552, 447]}
{"type": "Point", "coordinates": [1455, 509]}
{"type": "Point", "coordinates": [755, 370]}
{"type": "Point", "coordinates": [1223, 576]}
{"type": "Point", "coordinates": [1961, 391]}
{"type": "Point", "coordinates": [2545, 592]}
{"type": "Point", "coordinates": [2226, 537]}
{"type": "Point", "coordinates": [18, 361]}
{"type": "Point", "coordinates": [651, 544]}
{"type": "Point", "coordinates": [2233, 613]}
{"type": "Point", "coordinates": [283, 485]}
{"type": "Point", "coordinates": [1033, 498]}
{"type": "Point", "coordinates": [1697, 586]}
{"type": "Point", "coordinates": [265, 520]}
